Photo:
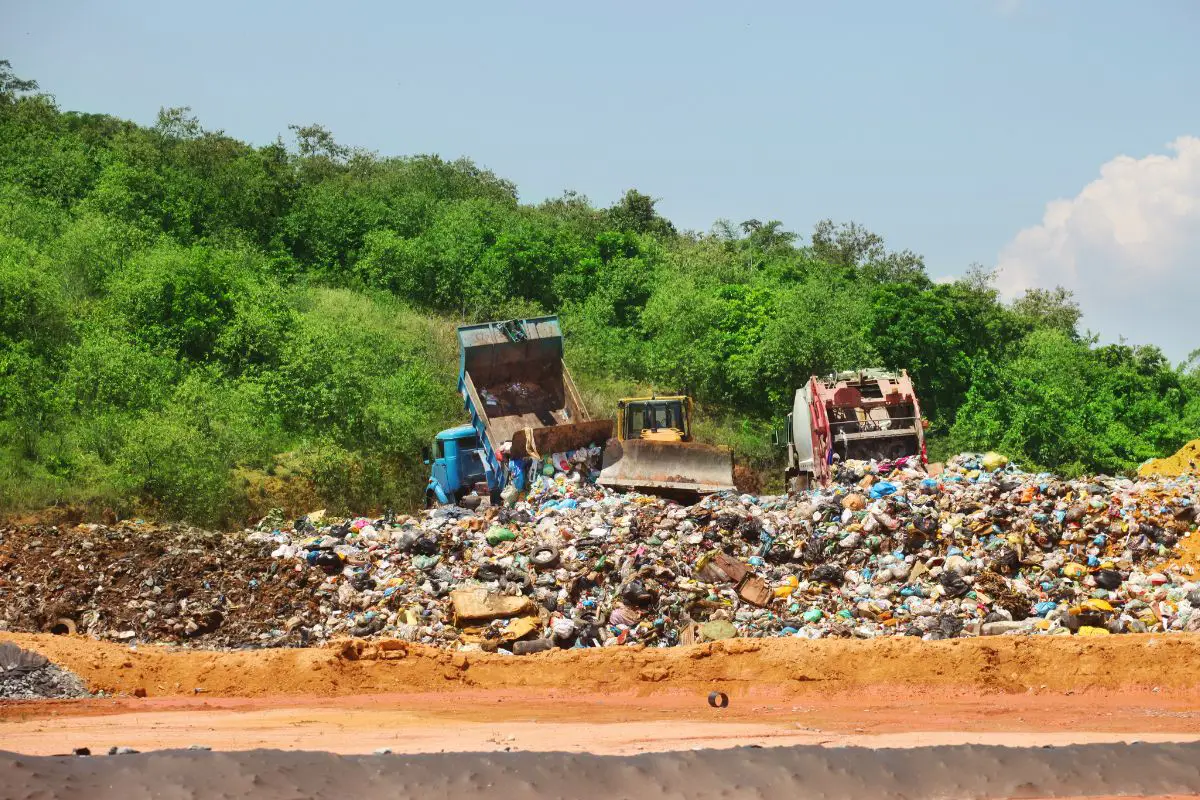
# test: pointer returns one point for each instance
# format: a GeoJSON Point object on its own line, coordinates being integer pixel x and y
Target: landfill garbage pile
{"type": "Point", "coordinates": [141, 582]}
{"type": "Point", "coordinates": [981, 548]}
{"type": "Point", "coordinates": [30, 676]}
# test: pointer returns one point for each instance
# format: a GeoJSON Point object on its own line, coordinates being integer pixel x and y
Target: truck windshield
{"type": "Point", "coordinates": [471, 466]}
{"type": "Point", "coordinates": [647, 416]}
{"type": "Point", "coordinates": [461, 444]}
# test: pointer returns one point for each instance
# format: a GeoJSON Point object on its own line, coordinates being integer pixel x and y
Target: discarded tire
{"type": "Point", "coordinates": [545, 555]}
{"type": "Point", "coordinates": [718, 699]}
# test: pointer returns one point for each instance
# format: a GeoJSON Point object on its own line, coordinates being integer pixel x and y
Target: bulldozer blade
{"type": "Point", "coordinates": [561, 438]}
{"type": "Point", "coordinates": [673, 466]}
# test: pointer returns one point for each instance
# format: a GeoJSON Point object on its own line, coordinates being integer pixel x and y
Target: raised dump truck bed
{"type": "Point", "coordinates": [515, 384]}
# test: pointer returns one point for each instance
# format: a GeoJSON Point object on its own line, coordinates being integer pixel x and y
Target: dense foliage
{"type": "Point", "coordinates": [196, 327]}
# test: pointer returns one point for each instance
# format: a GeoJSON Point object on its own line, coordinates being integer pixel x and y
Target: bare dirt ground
{"type": "Point", "coordinates": [483, 721]}
{"type": "Point", "coordinates": [357, 697]}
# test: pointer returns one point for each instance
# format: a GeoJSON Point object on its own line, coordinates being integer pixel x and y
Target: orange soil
{"type": "Point", "coordinates": [493, 719]}
{"type": "Point", "coordinates": [1180, 463]}
{"type": "Point", "coordinates": [355, 697]}
{"type": "Point", "coordinates": [792, 666]}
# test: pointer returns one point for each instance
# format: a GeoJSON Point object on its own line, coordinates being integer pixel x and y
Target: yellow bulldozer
{"type": "Point", "coordinates": [652, 451]}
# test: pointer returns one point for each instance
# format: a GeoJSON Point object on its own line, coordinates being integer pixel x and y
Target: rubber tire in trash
{"type": "Point", "coordinates": [544, 555]}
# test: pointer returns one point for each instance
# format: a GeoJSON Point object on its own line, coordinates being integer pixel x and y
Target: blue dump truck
{"type": "Point", "coordinates": [522, 404]}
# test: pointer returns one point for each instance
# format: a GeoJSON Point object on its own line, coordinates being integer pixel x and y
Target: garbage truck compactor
{"type": "Point", "coordinates": [522, 404]}
{"type": "Point", "coordinates": [652, 451]}
{"type": "Point", "coordinates": [866, 414]}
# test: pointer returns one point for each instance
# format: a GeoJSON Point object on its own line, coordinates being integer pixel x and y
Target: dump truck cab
{"type": "Point", "coordinates": [456, 463]}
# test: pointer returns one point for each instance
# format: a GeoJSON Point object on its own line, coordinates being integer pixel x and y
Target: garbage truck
{"type": "Point", "coordinates": [653, 451]}
{"type": "Point", "coordinates": [861, 414]}
{"type": "Point", "coordinates": [521, 402]}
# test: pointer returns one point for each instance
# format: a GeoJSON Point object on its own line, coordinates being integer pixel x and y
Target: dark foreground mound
{"type": "Point", "coordinates": [961, 771]}
{"type": "Point", "coordinates": [25, 675]}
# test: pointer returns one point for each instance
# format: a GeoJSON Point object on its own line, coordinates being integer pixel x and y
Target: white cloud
{"type": "Point", "coordinates": [1128, 246]}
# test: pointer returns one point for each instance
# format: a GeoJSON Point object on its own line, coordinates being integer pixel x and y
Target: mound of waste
{"type": "Point", "coordinates": [25, 675]}
{"type": "Point", "coordinates": [981, 548]}
{"type": "Point", "coordinates": [141, 582]}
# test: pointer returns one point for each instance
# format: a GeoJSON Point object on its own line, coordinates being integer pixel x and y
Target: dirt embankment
{"type": "Point", "coordinates": [997, 664]}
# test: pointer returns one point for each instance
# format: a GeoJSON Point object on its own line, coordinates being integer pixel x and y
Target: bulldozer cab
{"type": "Point", "coordinates": [660, 419]}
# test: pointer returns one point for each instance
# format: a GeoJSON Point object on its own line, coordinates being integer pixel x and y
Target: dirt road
{"type": "Point", "coordinates": [482, 721]}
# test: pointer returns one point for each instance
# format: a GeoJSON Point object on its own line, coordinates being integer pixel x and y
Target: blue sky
{"type": "Point", "coordinates": [945, 125]}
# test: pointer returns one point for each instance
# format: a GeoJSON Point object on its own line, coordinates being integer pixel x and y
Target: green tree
{"type": "Point", "coordinates": [1042, 308]}
{"type": "Point", "coordinates": [635, 213]}
{"type": "Point", "coordinates": [857, 250]}
{"type": "Point", "coordinates": [940, 335]}
{"type": "Point", "coordinates": [181, 299]}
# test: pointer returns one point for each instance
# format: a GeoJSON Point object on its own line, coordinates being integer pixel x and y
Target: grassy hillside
{"type": "Point", "coordinates": [197, 327]}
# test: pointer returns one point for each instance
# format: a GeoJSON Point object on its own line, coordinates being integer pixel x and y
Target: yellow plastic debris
{"type": "Point", "coordinates": [1097, 604]}
{"type": "Point", "coordinates": [993, 461]}
{"type": "Point", "coordinates": [1088, 630]}
{"type": "Point", "coordinates": [1073, 570]}
{"type": "Point", "coordinates": [519, 628]}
